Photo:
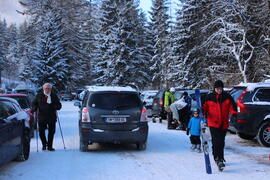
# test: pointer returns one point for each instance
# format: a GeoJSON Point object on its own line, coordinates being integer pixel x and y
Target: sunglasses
{"type": "Point", "coordinates": [195, 113]}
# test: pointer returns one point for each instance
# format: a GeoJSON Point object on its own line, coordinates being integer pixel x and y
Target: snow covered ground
{"type": "Point", "coordinates": [167, 156]}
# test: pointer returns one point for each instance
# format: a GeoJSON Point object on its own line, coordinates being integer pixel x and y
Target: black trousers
{"type": "Point", "coordinates": [195, 139]}
{"type": "Point", "coordinates": [184, 116]}
{"type": "Point", "coordinates": [51, 130]}
{"type": "Point", "coordinates": [218, 142]}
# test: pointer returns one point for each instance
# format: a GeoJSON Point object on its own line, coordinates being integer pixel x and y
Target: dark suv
{"type": "Point", "coordinates": [253, 106]}
{"type": "Point", "coordinates": [112, 114]}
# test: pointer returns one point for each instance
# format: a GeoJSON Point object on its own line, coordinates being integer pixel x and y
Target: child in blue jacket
{"type": "Point", "coordinates": [194, 129]}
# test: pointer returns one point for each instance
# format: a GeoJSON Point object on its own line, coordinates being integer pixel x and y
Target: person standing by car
{"type": "Point", "coordinates": [168, 100]}
{"type": "Point", "coordinates": [217, 107]}
{"type": "Point", "coordinates": [184, 114]}
{"type": "Point", "coordinates": [46, 105]}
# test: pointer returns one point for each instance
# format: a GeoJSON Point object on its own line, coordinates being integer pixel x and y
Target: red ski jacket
{"type": "Point", "coordinates": [217, 109]}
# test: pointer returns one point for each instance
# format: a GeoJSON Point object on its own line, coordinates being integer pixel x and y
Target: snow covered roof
{"type": "Point", "coordinates": [110, 88]}
{"type": "Point", "coordinates": [252, 86]}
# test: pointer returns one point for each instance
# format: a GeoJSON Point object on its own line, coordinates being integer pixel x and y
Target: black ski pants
{"type": "Point", "coordinates": [218, 142]}
{"type": "Point", "coordinates": [195, 139]}
{"type": "Point", "coordinates": [51, 130]}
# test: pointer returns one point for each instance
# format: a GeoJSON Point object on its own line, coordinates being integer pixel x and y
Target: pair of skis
{"type": "Point", "coordinates": [204, 136]}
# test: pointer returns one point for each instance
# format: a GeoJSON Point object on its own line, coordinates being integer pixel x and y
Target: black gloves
{"type": "Point", "coordinates": [187, 132]}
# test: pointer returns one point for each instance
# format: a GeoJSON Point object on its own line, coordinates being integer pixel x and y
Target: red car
{"type": "Point", "coordinates": [25, 104]}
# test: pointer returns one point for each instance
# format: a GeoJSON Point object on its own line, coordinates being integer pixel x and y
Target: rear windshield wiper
{"type": "Point", "coordinates": [124, 105]}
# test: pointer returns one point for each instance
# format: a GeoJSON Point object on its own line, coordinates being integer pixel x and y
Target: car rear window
{"type": "Point", "coordinates": [23, 102]}
{"type": "Point", "coordinates": [236, 92]}
{"type": "Point", "coordinates": [114, 100]}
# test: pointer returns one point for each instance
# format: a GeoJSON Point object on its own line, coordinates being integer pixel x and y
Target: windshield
{"type": "Point", "coordinates": [114, 100]}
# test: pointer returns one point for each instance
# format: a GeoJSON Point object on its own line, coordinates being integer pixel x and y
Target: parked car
{"type": "Point", "coordinates": [31, 93]}
{"type": "Point", "coordinates": [158, 110]}
{"type": "Point", "coordinates": [253, 106]}
{"type": "Point", "coordinates": [25, 104]}
{"type": "Point", "coordinates": [67, 96]}
{"type": "Point", "coordinates": [14, 131]}
{"type": "Point", "coordinates": [112, 114]}
{"type": "Point", "coordinates": [147, 98]}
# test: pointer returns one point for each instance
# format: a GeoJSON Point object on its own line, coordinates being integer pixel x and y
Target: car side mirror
{"type": "Point", "coordinates": [77, 103]}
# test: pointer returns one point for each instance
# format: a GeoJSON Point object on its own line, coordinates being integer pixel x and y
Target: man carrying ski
{"type": "Point", "coordinates": [216, 109]}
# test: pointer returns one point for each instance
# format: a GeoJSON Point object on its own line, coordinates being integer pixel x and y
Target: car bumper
{"type": "Point", "coordinates": [244, 126]}
{"type": "Point", "coordinates": [137, 135]}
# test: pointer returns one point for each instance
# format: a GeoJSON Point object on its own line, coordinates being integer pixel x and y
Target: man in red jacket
{"type": "Point", "coordinates": [217, 108]}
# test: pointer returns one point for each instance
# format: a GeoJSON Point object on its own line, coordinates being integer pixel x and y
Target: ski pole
{"type": "Point", "coordinates": [36, 128]}
{"type": "Point", "coordinates": [60, 129]}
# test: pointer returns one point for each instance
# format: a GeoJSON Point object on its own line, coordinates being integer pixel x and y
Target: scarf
{"type": "Point", "coordinates": [48, 97]}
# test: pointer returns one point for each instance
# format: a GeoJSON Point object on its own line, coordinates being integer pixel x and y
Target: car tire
{"type": "Point", "coordinates": [246, 137]}
{"type": "Point", "coordinates": [24, 146]}
{"type": "Point", "coordinates": [141, 146]}
{"type": "Point", "coordinates": [83, 146]}
{"type": "Point", "coordinates": [263, 136]}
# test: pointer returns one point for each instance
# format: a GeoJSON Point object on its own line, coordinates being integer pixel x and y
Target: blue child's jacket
{"type": "Point", "coordinates": [194, 126]}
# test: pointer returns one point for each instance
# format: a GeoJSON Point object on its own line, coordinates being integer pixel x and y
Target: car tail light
{"type": "Point", "coordinates": [85, 115]}
{"type": "Point", "coordinates": [240, 106]}
{"type": "Point", "coordinates": [143, 115]}
{"type": "Point", "coordinates": [241, 121]}
{"type": "Point", "coordinates": [161, 102]}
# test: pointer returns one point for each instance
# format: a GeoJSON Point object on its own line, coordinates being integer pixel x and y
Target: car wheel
{"type": "Point", "coordinates": [141, 146]}
{"type": "Point", "coordinates": [244, 136]}
{"type": "Point", "coordinates": [83, 146]}
{"type": "Point", "coordinates": [263, 136]}
{"type": "Point", "coordinates": [24, 147]}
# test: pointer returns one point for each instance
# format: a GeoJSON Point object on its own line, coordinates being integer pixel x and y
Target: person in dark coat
{"type": "Point", "coordinates": [46, 104]}
{"type": "Point", "coordinates": [184, 114]}
{"type": "Point", "coordinates": [217, 108]}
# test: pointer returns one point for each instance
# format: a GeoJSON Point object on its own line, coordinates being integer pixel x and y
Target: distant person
{"type": "Point", "coordinates": [194, 129]}
{"type": "Point", "coordinates": [184, 113]}
{"type": "Point", "coordinates": [46, 104]}
{"type": "Point", "coordinates": [176, 108]}
{"type": "Point", "coordinates": [217, 108]}
{"type": "Point", "coordinates": [168, 100]}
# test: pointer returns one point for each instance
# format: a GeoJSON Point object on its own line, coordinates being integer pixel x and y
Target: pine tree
{"type": "Point", "coordinates": [159, 28]}
{"type": "Point", "coordinates": [3, 44]}
{"type": "Point", "coordinates": [51, 55]}
{"type": "Point", "coordinates": [257, 25]}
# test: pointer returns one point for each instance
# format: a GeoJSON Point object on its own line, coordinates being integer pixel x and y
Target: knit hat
{"type": "Point", "coordinates": [218, 84]}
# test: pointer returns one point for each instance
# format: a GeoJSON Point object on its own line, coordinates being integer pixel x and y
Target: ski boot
{"type": "Point", "coordinates": [193, 147]}
{"type": "Point", "coordinates": [220, 164]}
{"type": "Point", "coordinates": [198, 148]}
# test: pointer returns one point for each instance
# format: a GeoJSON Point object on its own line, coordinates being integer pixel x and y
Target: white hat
{"type": "Point", "coordinates": [172, 89]}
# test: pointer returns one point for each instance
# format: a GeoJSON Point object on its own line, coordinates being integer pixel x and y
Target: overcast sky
{"type": "Point", "coordinates": [8, 10]}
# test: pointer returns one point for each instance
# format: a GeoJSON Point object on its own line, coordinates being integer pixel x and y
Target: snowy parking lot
{"type": "Point", "coordinates": [167, 156]}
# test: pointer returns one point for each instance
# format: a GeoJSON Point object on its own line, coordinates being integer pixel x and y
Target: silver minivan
{"type": "Point", "coordinates": [112, 114]}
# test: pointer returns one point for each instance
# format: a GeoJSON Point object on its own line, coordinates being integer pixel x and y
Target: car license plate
{"type": "Point", "coordinates": [116, 119]}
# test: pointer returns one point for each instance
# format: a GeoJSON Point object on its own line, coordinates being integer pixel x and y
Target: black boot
{"type": "Point", "coordinates": [51, 149]}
